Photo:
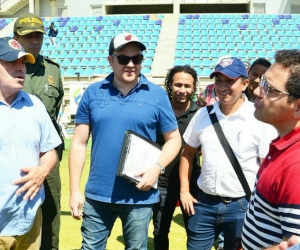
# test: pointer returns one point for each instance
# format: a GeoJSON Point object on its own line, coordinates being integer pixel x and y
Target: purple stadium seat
{"type": "Point", "coordinates": [243, 27]}
{"type": "Point", "coordinates": [275, 21]}
{"type": "Point", "coordinates": [158, 22]}
{"type": "Point", "coordinates": [60, 19]}
{"type": "Point", "coordinates": [116, 22]}
{"type": "Point", "coordinates": [73, 28]}
{"type": "Point", "coordinates": [195, 16]}
{"type": "Point", "coordinates": [181, 21]}
{"type": "Point", "coordinates": [245, 16]}
{"type": "Point", "coordinates": [98, 28]}
{"type": "Point", "coordinates": [62, 24]}
{"type": "Point", "coordinates": [189, 16]}
{"type": "Point", "coordinates": [99, 18]}
{"type": "Point", "coordinates": [288, 16]}
{"type": "Point", "coordinates": [146, 17]}
{"type": "Point", "coordinates": [225, 21]}
{"type": "Point", "coordinates": [281, 16]}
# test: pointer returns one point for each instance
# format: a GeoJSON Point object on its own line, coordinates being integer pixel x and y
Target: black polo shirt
{"type": "Point", "coordinates": [171, 176]}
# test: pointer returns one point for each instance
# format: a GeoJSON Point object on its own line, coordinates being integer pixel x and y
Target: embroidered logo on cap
{"type": "Point", "coordinates": [226, 62]}
{"type": "Point", "coordinates": [14, 44]}
{"type": "Point", "coordinates": [128, 37]}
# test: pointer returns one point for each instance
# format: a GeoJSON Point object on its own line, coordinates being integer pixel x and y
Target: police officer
{"type": "Point", "coordinates": [43, 79]}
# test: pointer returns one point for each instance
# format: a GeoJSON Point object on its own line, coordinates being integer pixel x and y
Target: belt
{"type": "Point", "coordinates": [220, 198]}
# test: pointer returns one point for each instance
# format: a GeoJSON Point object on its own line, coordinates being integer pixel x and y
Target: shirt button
{"type": "Point", "coordinates": [269, 157]}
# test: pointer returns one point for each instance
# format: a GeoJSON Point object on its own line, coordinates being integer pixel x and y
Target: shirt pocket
{"type": "Point", "coordinates": [246, 142]}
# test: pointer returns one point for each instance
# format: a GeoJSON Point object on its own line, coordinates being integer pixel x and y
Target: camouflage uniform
{"type": "Point", "coordinates": [43, 79]}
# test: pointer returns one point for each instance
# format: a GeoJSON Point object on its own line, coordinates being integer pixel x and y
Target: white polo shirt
{"type": "Point", "coordinates": [248, 138]}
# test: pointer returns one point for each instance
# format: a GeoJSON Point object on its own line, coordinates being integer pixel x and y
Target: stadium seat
{"type": "Point", "coordinates": [63, 54]}
{"type": "Point", "coordinates": [84, 63]}
{"type": "Point", "coordinates": [75, 63]}
{"type": "Point", "coordinates": [93, 63]}
{"type": "Point", "coordinates": [241, 54]}
{"type": "Point", "coordinates": [205, 63]}
{"type": "Point", "coordinates": [205, 54]}
{"type": "Point", "coordinates": [102, 62]}
{"type": "Point", "coordinates": [178, 62]}
{"type": "Point", "coordinates": [242, 26]}
{"type": "Point", "coordinates": [268, 46]}
{"type": "Point", "coordinates": [258, 47]}
{"type": "Point", "coordinates": [69, 72]}
{"type": "Point", "coordinates": [251, 54]}
{"type": "Point", "coordinates": [147, 62]}
{"type": "Point", "coordinates": [196, 62]}
{"type": "Point", "coordinates": [205, 72]}
{"type": "Point", "coordinates": [261, 54]}
{"type": "Point", "coordinates": [97, 71]}
{"type": "Point", "coordinates": [89, 54]}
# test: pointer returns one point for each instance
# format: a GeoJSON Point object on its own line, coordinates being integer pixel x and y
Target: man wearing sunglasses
{"type": "Point", "coordinates": [273, 214]}
{"type": "Point", "coordinates": [124, 100]}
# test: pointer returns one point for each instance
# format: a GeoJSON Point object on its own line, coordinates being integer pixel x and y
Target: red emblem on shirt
{"type": "Point", "coordinates": [128, 37]}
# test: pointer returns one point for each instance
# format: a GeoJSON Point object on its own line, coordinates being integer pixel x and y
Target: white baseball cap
{"type": "Point", "coordinates": [119, 41]}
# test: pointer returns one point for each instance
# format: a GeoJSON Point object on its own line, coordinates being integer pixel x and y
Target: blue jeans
{"type": "Point", "coordinates": [99, 218]}
{"type": "Point", "coordinates": [213, 216]}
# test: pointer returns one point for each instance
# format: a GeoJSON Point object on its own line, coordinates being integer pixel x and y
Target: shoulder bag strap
{"type": "Point", "coordinates": [228, 150]}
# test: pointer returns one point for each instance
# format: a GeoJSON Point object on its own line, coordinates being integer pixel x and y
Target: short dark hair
{"type": "Point", "coordinates": [261, 61]}
{"type": "Point", "coordinates": [176, 69]}
{"type": "Point", "coordinates": [290, 59]}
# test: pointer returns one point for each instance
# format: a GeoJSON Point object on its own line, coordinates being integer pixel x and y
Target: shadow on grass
{"type": "Point", "coordinates": [65, 213]}
{"type": "Point", "coordinates": [150, 244]}
{"type": "Point", "coordinates": [178, 219]}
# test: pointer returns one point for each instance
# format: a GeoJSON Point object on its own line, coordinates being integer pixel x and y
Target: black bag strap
{"type": "Point", "coordinates": [228, 150]}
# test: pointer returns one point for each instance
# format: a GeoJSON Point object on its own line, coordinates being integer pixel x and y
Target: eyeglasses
{"type": "Point", "coordinates": [267, 87]}
{"type": "Point", "coordinates": [124, 60]}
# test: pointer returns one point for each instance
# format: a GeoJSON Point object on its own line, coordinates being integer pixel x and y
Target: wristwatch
{"type": "Point", "coordinates": [162, 169]}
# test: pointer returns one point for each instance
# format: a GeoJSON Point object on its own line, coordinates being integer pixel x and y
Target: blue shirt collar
{"type": "Point", "coordinates": [142, 80]}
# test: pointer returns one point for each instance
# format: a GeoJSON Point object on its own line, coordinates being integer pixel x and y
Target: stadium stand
{"type": "Point", "coordinates": [201, 38]}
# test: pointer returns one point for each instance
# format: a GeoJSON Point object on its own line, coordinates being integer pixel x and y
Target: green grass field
{"type": "Point", "coordinates": [70, 236]}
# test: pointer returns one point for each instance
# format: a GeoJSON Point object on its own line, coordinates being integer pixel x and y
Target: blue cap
{"type": "Point", "coordinates": [11, 50]}
{"type": "Point", "coordinates": [231, 67]}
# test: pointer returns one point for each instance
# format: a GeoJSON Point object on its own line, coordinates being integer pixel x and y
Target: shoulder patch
{"type": "Point", "coordinates": [51, 61]}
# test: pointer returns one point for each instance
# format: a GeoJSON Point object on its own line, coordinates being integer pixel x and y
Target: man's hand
{"type": "Point", "coordinates": [32, 179]}
{"type": "Point", "coordinates": [76, 203]}
{"type": "Point", "coordinates": [187, 201]}
{"type": "Point", "coordinates": [149, 177]}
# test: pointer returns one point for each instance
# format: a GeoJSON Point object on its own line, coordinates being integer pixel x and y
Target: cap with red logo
{"type": "Point", "coordinates": [119, 41]}
{"type": "Point", "coordinates": [11, 50]}
{"type": "Point", "coordinates": [232, 67]}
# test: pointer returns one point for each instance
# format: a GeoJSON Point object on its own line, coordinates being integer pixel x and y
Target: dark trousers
{"type": "Point", "coordinates": [51, 210]}
{"type": "Point", "coordinates": [162, 216]}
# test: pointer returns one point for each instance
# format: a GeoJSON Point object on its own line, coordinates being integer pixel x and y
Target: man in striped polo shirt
{"type": "Point", "coordinates": [274, 210]}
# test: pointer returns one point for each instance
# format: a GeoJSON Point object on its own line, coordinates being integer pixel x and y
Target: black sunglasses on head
{"type": "Point", "coordinates": [124, 60]}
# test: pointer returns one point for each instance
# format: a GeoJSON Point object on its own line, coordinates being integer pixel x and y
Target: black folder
{"type": "Point", "coordinates": [138, 153]}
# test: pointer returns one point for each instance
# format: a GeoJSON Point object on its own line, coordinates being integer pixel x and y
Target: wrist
{"type": "Point", "coordinates": [161, 167]}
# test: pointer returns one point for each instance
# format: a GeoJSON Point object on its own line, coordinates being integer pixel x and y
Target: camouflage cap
{"type": "Point", "coordinates": [28, 23]}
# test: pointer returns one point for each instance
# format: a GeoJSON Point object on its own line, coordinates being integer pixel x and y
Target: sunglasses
{"type": "Point", "coordinates": [124, 60]}
{"type": "Point", "coordinates": [267, 87]}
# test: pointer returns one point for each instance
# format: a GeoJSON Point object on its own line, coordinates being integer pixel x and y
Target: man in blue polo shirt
{"type": "Point", "coordinates": [27, 152]}
{"type": "Point", "coordinates": [124, 100]}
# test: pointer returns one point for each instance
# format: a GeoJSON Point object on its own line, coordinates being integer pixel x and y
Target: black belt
{"type": "Point", "coordinates": [220, 198]}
